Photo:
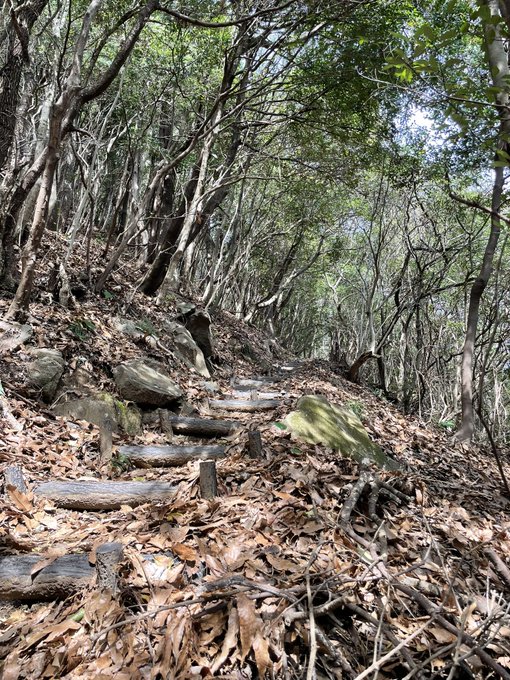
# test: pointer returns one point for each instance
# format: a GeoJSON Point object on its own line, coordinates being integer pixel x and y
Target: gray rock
{"type": "Point", "coordinates": [104, 411]}
{"type": "Point", "coordinates": [145, 382]}
{"type": "Point", "coordinates": [13, 335]}
{"type": "Point", "coordinates": [211, 387]}
{"type": "Point", "coordinates": [185, 308]}
{"type": "Point", "coordinates": [91, 409]}
{"type": "Point", "coordinates": [128, 327]}
{"type": "Point", "coordinates": [316, 421]}
{"type": "Point", "coordinates": [187, 348]}
{"type": "Point", "coordinates": [45, 371]}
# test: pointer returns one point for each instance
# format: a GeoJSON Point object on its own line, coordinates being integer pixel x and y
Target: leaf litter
{"type": "Point", "coordinates": [406, 575]}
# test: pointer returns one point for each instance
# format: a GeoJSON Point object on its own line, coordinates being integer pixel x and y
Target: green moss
{"type": "Point", "coordinates": [318, 422]}
{"type": "Point", "coordinates": [128, 416]}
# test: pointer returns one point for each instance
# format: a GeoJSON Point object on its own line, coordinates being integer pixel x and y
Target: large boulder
{"type": "Point", "coordinates": [104, 411]}
{"type": "Point", "coordinates": [45, 371]}
{"type": "Point", "coordinates": [316, 421]}
{"type": "Point", "coordinates": [187, 348]}
{"type": "Point", "coordinates": [146, 383]}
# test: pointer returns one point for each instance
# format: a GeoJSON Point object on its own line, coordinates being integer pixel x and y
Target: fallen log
{"type": "Point", "coordinates": [168, 456]}
{"type": "Point", "coordinates": [244, 404]}
{"type": "Point", "coordinates": [202, 427]}
{"type": "Point", "coordinates": [98, 495]}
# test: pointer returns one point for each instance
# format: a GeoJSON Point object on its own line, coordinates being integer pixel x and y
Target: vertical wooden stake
{"type": "Point", "coordinates": [13, 476]}
{"type": "Point", "coordinates": [165, 425]}
{"type": "Point", "coordinates": [108, 557]}
{"type": "Point", "coordinates": [208, 480]}
{"type": "Point", "coordinates": [254, 444]}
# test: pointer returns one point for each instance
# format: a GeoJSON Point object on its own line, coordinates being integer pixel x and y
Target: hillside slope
{"type": "Point", "coordinates": [302, 565]}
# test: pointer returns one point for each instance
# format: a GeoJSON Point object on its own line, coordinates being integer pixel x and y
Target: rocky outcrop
{"type": "Point", "coordinates": [45, 371]}
{"type": "Point", "coordinates": [316, 421]}
{"type": "Point", "coordinates": [146, 383]}
{"type": "Point", "coordinates": [184, 344]}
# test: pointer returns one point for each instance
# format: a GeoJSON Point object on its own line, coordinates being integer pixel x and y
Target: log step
{"type": "Point", "coordinates": [202, 427]}
{"type": "Point", "coordinates": [244, 404]}
{"type": "Point", "coordinates": [254, 383]}
{"type": "Point", "coordinates": [291, 366]}
{"type": "Point", "coordinates": [243, 393]}
{"type": "Point", "coordinates": [99, 495]}
{"type": "Point", "coordinates": [168, 456]}
{"type": "Point", "coordinates": [61, 578]}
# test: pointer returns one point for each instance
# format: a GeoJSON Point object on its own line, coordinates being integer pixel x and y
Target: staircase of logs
{"type": "Point", "coordinates": [21, 580]}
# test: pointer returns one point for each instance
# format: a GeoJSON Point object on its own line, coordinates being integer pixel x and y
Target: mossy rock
{"type": "Point", "coordinates": [128, 416]}
{"type": "Point", "coordinates": [316, 421]}
{"type": "Point", "coordinates": [104, 411]}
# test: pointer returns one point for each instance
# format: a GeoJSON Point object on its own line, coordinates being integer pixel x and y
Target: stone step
{"type": "Point", "coordinates": [103, 495]}
{"type": "Point", "coordinates": [169, 456]}
{"type": "Point", "coordinates": [248, 405]}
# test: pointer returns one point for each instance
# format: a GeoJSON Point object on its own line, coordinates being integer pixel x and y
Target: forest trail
{"type": "Point", "coordinates": [214, 575]}
{"type": "Point", "coordinates": [39, 577]}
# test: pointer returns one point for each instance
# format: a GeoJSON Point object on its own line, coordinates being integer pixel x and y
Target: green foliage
{"type": "Point", "coordinates": [356, 407]}
{"type": "Point", "coordinates": [82, 329]}
{"type": "Point", "coordinates": [147, 327]}
{"type": "Point", "coordinates": [120, 462]}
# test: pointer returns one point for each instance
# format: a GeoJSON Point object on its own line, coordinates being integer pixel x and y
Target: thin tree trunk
{"type": "Point", "coordinates": [498, 64]}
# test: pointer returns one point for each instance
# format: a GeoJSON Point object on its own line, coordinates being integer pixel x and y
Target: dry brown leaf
{"type": "Point", "coordinates": [22, 501]}
{"type": "Point", "coordinates": [229, 641]}
{"type": "Point", "coordinates": [185, 552]}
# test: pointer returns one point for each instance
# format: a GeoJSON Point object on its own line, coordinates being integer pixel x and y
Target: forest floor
{"type": "Point", "coordinates": [302, 566]}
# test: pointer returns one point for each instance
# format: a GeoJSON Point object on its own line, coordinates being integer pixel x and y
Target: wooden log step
{"type": "Point", "coordinates": [99, 495]}
{"type": "Point", "coordinates": [168, 456]}
{"type": "Point", "coordinates": [61, 578]}
{"type": "Point", "coordinates": [253, 394]}
{"type": "Point", "coordinates": [202, 427]}
{"type": "Point", "coordinates": [244, 404]}
{"type": "Point", "coordinates": [254, 383]}
{"type": "Point", "coordinates": [20, 580]}
{"type": "Point", "coordinates": [291, 366]}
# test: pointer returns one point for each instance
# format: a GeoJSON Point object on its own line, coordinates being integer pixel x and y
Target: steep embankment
{"type": "Point", "coordinates": [301, 558]}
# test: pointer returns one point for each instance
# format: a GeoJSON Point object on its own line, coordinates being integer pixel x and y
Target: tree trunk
{"type": "Point", "coordinates": [498, 64]}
